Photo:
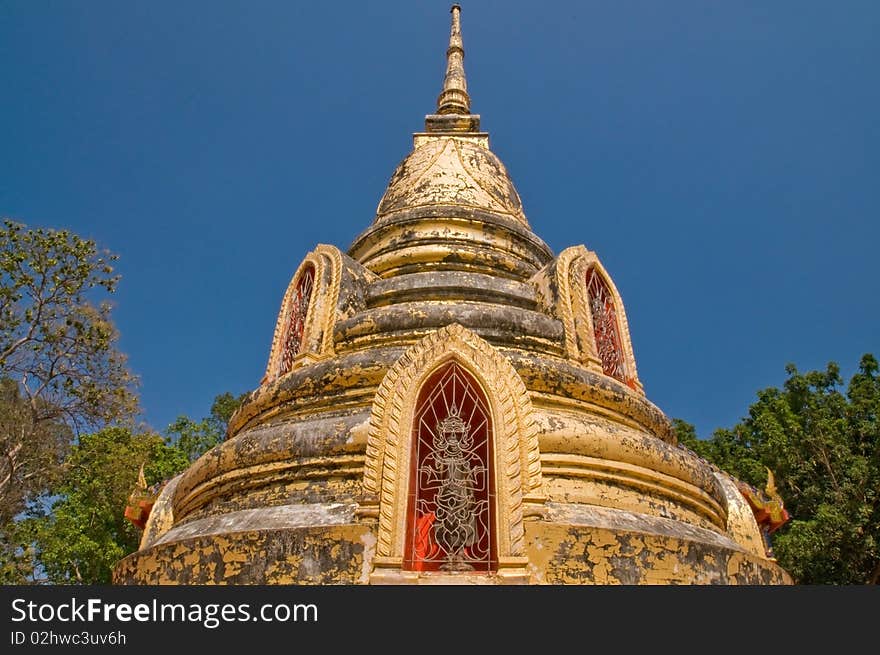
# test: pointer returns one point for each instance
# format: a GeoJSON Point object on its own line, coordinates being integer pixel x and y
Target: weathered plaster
{"type": "Point", "coordinates": [309, 486]}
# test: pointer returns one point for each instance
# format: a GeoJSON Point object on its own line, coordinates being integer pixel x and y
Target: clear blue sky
{"type": "Point", "coordinates": [723, 159]}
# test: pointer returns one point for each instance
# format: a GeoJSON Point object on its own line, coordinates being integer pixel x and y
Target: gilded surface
{"type": "Point", "coordinates": [454, 98]}
{"type": "Point", "coordinates": [479, 139]}
{"type": "Point", "coordinates": [162, 517]}
{"type": "Point", "coordinates": [582, 545]}
{"type": "Point", "coordinates": [319, 554]}
{"type": "Point", "coordinates": [317, 337]}
{"type": "Point", "coordinates": [573, 310]}
{"type": "Point", "coordinates": [386, 469]}
{"type": "Point", "coordinates": [311, 485]}
{"type": "Point", "coordinates": [452, 171]}
{"type": "Point", "coordinates": [741, 524]}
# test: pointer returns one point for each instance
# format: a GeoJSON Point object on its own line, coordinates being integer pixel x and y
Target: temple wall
{"type": "Point", "coordinates": [578, 546]}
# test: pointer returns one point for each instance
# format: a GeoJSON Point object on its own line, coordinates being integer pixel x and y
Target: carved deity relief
{"type": "Point", "coordinates": [452, 461]}
{"type": "Point", "coordinates": [449, 521]}
{"type": "Point", "coordinates": [304, 331]}
{"type": "Point", "coordinates": [605, 329]}
{"type": "Point", "coordinates": [296, 318]}
{"type": "Point", "coordinates": [593, 316]}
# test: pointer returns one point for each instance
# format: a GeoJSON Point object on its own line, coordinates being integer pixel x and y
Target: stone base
{"type": "Point", "coordinates": [594, 545]}
{"type": "Point", "coordinates": [314, 555]}
{"type": "Point", "coordinates": [576, 545]}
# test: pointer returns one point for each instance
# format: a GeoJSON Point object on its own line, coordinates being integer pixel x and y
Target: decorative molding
{"type": "Point", "coordinates": [567, 260]}
{"type": "Point", "coordinates": [451, 171]}
{"type": "Point", "coordinates": [741, 524]}
{"type": "Point", "coordinates": [591, 260]}
{"type": "Point", "coordinates": [389, 443]}
{"type": "Point", "coordinates": [328, 298]}
{"type": "Point", "coordinates": [317, 338]}
{"type": "Point", "coordinates": [574, 311]}
{"type": "Point", "coordinates": [161, 518]}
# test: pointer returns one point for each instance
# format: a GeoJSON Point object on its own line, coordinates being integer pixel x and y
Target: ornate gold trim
{"type": "Point", "coordinates": [451, 171]}
{"type": "Point", "coordinates": [741, 524]}
{"type": "Point", "coordinates": [326, 312]}
{"type": "Point", "coordinates": [585, 479]}
{"type": "Point", "coordinates": [389, 443]}
{"type": "Point", "coordinates": [161, 518]}
{"type": "Point", "coordinates": [565, 307]}
{"type": "Point", "coordinates": [573, 310]}
{"type": "Point", "coordinates": [317, 340]}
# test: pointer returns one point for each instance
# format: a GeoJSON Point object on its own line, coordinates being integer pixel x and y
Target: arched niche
{"type": "Point", "coordinates": [304, 330]}
{"type": "Point", "coordinates": [593, 316]}
{"type": "Point", "coordinates": [512, 451]}
{"type": "Point", "coordinates": [451, 502]}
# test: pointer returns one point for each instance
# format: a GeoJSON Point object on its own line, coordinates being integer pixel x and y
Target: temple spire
{"type": "Point", "coordinates": [454, 98]}
{"type": "Point", "coordinates": [454, 104]}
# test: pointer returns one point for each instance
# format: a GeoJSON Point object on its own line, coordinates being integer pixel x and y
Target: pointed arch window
{"type": "Point", "coordinates": [296, 318]}
{"type": "Point", "coordinates": [451, 500]}
{"type": "Point", "coordinates": [605, 326]}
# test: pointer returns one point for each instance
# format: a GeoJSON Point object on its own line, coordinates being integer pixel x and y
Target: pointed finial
{"type": "Point", "coordinates": [453, 115]}
{"type": "Point", "coordinates": [454, 98]}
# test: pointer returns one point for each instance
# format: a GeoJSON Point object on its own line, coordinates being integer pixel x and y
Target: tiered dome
{"type": "Point", "coordinates": [450, 402]}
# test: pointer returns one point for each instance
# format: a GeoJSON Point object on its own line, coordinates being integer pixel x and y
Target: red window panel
{"type": "Point", "coordinates": [605, 327]}
{"type": "Point", "coordinates": [451, 503]}
{"type": "Point", "coordinates": [296, 318]}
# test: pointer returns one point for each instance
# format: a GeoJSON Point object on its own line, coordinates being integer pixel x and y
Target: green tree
{"type": "Point", "coordinates": [222, 409]}
{"type": "Point", "coordinates": [194, 438]}
{"type": "Point", "coordinates": [60, 369]}
{"type": "Point", "coordinates": [59, 363]}
{"type": "Point", "coordinates": [33, 449]}
{"type": "Point", "coordinates": [84, 533]}
{"type": "Point", "coordinates": [822, 441]}
{"type": "Point", "coordinates": [55, 342]}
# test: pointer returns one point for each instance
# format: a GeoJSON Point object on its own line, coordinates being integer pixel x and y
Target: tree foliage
{"type": "Point", "coordinates": [69, 453]}
{"type": "Point", "coordinates": [82, 535]}
{"type": "Point", "coordinates": [33, 451]}
{"type": "Point", "coordinates": [54, 340]}
{"type": "Point", "coordinates": [85, 532]}
{"type": "Point", "coordinates": [822, 441]}
{"type": "Point", "coordinates": [194, 438]}
{"type": "Point", "coordinates": [60, 368]}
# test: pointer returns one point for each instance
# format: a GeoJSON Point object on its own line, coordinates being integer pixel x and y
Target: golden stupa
{"type": "Point", "coordinates": [450, 402]}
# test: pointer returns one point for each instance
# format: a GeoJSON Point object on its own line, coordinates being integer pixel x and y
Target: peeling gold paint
{"type": "Point", "coordinates": [311, 483]}
{"type": "Point", "coordinates": [451, 171]}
